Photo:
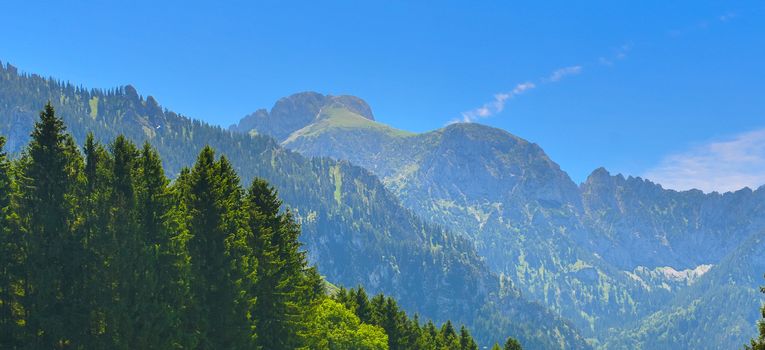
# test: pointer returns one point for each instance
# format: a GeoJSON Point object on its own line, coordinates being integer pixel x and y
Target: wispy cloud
{"type": "Point", "coordinates": [495, 106]}
{"type": "Point", "coordinates": [727, 17]}
{"type": "Point", "coordinates": [562, 73]}
{"type": "Point", "coordinates": [704, 24]}
{"type": "Point", "coordinates": [724, 165]}
{"type": "Point", "coordinates": [618, 54]}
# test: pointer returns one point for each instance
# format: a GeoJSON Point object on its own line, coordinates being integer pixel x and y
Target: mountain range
{"type": "Point", "coordinates": [466, 222]}
{"type": "Point", "coordinates": [630, 263]}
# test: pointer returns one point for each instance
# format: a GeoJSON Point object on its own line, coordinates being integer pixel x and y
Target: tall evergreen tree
{"type": "Point", "coordinates": [466, 341]}
{"type": "Point", "coordinates": [512, 344]}
{"type": "Point", "coordinates": [56, 316]}
{"type": "Point", "coordinates": [213, 202]}
{"type": "Point", "coordinates": [281, 270]}
{"type": "Point", "coordinates": [95, 215]}
{"type": "Point", "coordinates": [363, 309]}
{"type": "Point", "coordinates": [390, 321]}
{"type": "Point", "coordinates": [449, 335]}
{"type": "Point", "coordinates": [10, 259]}
{"type": "Point", "coordinates": [128, 260]}
{"type": "Point", "coordinates": [164, 278]}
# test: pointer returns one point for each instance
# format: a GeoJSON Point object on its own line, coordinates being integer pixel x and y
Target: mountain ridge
{"type": "Point", "coordinates": [579, 249]}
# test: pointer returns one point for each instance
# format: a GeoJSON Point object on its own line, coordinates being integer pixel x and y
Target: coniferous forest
{"type": "Point", "coordinates": [100, 250]}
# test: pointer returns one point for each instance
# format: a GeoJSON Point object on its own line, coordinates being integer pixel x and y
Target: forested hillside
{"type": "Point", "coordinates": [353, 228]}
{"type": "Point", "coordinates": [101, 251]}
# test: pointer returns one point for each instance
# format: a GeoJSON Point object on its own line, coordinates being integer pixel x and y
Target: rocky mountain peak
{"type": "Point", "coordinates": [298, 110]}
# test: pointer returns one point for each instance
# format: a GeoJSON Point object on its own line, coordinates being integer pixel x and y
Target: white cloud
{"type": "Point", "coordinates": [725, 165]}
{"type": "Point", "coordinates": [562, 73]}
{"type": "Point", "coordinates": [500, 99]}
{"type": "Point", "coordinates": [495, 106]}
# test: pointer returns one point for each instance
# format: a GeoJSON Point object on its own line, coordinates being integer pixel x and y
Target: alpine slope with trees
{"type": "Point", "coordinates": [100, 250]}
{"type": "Point", "coordinates": [353, 229]}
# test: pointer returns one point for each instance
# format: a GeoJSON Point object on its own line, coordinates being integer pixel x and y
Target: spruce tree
{"type": "Point", "coordinates": [282, 284]}
{"type": "Point", "coordinates": [98, 252]}
{"type": "Point", "coordinates": [128, 260]}
{"type": "Point", "coordinates": [391, 322]}
{"type": "Point", "coordinates": [213, 202]}
{"type": "Point", "coordinates": [512, 344]}
{"type": "Point", "coordinates": [56, 313]}
{"type": "Point", "coordinates": [466, 341]}
{"type": "Point", "coordinates": [10, 259]}
{"type": "Point", "coordinates": [164, 277]}
{"type": "Point", "coordinates": [363, 309]}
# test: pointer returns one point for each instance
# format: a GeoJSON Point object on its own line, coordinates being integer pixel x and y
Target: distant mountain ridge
{"type": "Point", "coordinates": [606, 254]}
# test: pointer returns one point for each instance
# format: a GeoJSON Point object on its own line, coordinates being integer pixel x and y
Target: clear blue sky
{"type": "Point", "coordinates": [646, 86]}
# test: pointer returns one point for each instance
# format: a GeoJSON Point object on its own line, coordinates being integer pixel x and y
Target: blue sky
{"type": "Point", "coordinates": [670, 90]}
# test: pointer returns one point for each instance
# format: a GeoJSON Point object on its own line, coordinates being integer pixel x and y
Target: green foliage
{"type": "Point", "coordinates": [104, 252]}
{"type": "Point", "coordinates": [512, 344]}
{"type": "Point", "coordinates": [280, 269]}
{"type": "Point", "coordinates": [403, 333]}
{"type": "Point", "coordinates": [11, 259]}
{"type": "Point", "coordinates": [334, 327]}
{"type": "Point", "coordinates": [49, 180]}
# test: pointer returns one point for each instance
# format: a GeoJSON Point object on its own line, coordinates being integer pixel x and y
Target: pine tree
{"type": "Point", "coordinates": [447, 331]}
{"type": "Point", "coordinates": [343, 297]}
{"type": "Point", "coordinates": [363, 309]}
{"type": "Point", "coordinates": [429, 338]}
{"type": "Point", "coordinates": [512, 344]}
{"type": "Point", "coordinates": [213, 201]}
{"type": "Point", "coordinates": [128, 261]}
{"type": "Point", "coordinates": [466, 341]}
{"type": "Point", "coordinates": [95, 214]}
{"type": "Point", "coordinates": [390, 321]}
{"type": "Point", "coordinates": [56, 314]}
{"type": "Point", "coordinates": [10, 259]}
{"type": "Point", "coordinates": [164, 279]}
{"type": "Point", "coordinates": [281, 288]}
